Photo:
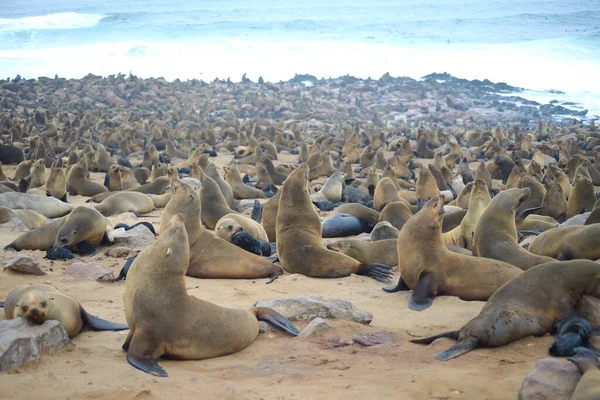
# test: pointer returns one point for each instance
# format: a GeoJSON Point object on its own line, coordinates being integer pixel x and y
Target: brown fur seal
{"type": "Point", "coordinates": [463, 234]}
{"type": "Point", "coordinates": [240, 189]}
{"type": "Point", "coordinates": [160, 201]}
{"type": "Point", "coordinates": [385, 192]}
{"type": "Point", "coordinates": [30, 218]}
{"type": "Point", "coordinates": [325, 168]}
{"type": "Point", "coordinates": [39, 303]}
{"type": "Point", "coordinates": [158, 186]}
{"type": "Point", "coordinates": [396, 213]}
{"type": "Point", "coordinates": [429, 269]}
{"type": "Point", "coordinates": [527, 305]}
{"type": "Point", "coordinates": [165, 321]}
{"type": "Point", "coordinates": [299, 243]}
{"type": "Point", "coordinates": [384, 230]}
{"type": "Point", "coordinates": [333, 187]}
{"type": "Point", "coordinates": [554, 204]}
{"type": "Point", "coordinates": [123, 202]}
{"type": "Point", "coordinates": [214, 203]}
{"type": "Point", "coordinates": [230, 224]}
{"type": "Point", "coordinates": [226, 190]}
{"type": "Point", "coordinates": [211, 256]}
{"type": "Point", "coordinates": [379, 252]}
{"type": "Point", "coordinates": [81, 225]}
{"type": "Point", "coordinates": [426, 187]}
{"type": "Point", "coordinates": [569, 243]}
{"type": "Point", "coordinates": [79, 184]}
{"type": "Point", "coordinates": [581, 199]}
{"type": "Point", "coordinates": [269, 217]}
{"type": "Point", "coordinates": [37, 177]}
{"type": "Point", "coordinates": [56, 184]}
{"type": "Point", "coordinates": [496, 232]}
{"type": "Point", "coordinates": [594, 217]}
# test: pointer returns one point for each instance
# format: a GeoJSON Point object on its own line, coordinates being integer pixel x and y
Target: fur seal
{"type": "Point", "coordinates": [378, 252]}
{"type": "Point", "coordinates": [569, 243]}
{"type": "Point", "coordinates": [426, 187]}
{"type": "Point", "coordinates": [165, 321]}
{"type": "Point", "coordinates": [429, 269]}
{"type": "Point", "coordinates": [39, 303]}
{"type": "Point", "coordinates": [594, 216]}
{"type": "Point", "coordinates": [333, 187]}
{"type": "Point", "coordinates": [30, 219]}
{"type": "Point", "coordinates": [226, 190]}
{"type": "Point", "coordinates": [367, 214]}
{"type": "Point", "coordinates": [47, 206]}
{"type": "Point", "coordinates": [581, 199]}
{"type": "Point", "coordinates": [123, 202]}
{"type": "Point", "coordinates": [211, 256]}
{"type": "Point", "coordinates": [341, 225]}
{"type": "Point", "coordinates": [56, 184]}
{"type": "Point", "coordinates": [232, 223]}
{"type": "Point", "coordinates": [527, 305]}
{"type": "Point", "coordinates": [396, 213]}
{"type": "Point", "coordinates": [385, 192]}
{"type": "Point", "coordinates": [299, 241]}
{"type": "Point", "coordinates": [269, 217]}
{"type": "Point", "coordinates": [240, 189]}
{"type": "Point", "coordinates": [554, 204]}
{"type": "Point", "coordinates": [82, 225]}
{"type": "Point", "coordinates": [214, 204]}
{"type": "Point", "coordinates": [572, 332]}
{"type": "Point", "coordinates": [496, 232]}
{"type": "Point", "coordinates": [79, 184]}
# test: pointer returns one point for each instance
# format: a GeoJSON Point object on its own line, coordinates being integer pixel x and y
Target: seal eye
{"type": "Point", "coordinates": [43, 304]}
{"type": "Point", "coordinates": [24, 308]}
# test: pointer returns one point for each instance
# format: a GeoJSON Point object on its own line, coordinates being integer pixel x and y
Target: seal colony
{"type": "Point", "coordinates": [261, 182]}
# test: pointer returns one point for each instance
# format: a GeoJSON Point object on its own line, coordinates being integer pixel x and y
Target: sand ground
{"type": "Point", "coordinates": [275, 366]}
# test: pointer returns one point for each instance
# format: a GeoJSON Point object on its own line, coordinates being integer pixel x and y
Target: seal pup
{"type": "Point", "coordinates": [429, 269]}
{"type": "Point", "coordinates": [211, 256]}
{"type": "Point", "coordinates": [165, 321]}
{"type": "Point", "coordinates": [39, 303]}
{"type": "Point", "coordinates": [231, 224]}
{"type": "Point", "coordinates": [341, 225]}
{"type": "Point", "coordinates": [527, 305]}
{"type": "Point", "coordinates": [572, 332]}
{"type": "Point", "coordinates": [299, 242]}
{"type": "Point", "coordinates": [496, 232]}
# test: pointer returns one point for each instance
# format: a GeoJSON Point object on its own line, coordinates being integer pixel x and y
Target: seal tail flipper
{"type": "Point", "coordinates": [460, 348]}
{"type": "Point", "coordinates": [585, 359]}
{"type": "Point", "coordinates": [379, 272]}
{"type": "Point", "coordinates": [422, 297]}
{"type": "Point", "coordinates": [257, 211]}
{"type": "Point", "coordinates": [401, 286]}
{"type": "Point", "coordinates": [275, 318]}
{"type": "Point", "coordinates": [428, 340]}
{"type": "Point", "coordinates": [146, 364]}
{"type": "Point", "coordinates": [99, 324]}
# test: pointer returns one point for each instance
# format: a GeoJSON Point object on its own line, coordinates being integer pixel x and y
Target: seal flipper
{"type": "Point", "coordinates": [524, 213]}
{"type": "Point", "coordinates": [460, 348]}
{"type": "Point", "coordinates": [275, 318]}
{"type": "Point", "coordinates": [428, 340]}
{"type": "Point", "coordinates": [64, 198]}
{"type": "Point", "coordinates": [257, 211]}
{"type": "Point", "coordinates": [24, 184]}
{"type": "Point", "coordinates": [123, 274]}
{"type": "Point", "coordinates": [99, 324]}
{"type": "Point", "coordinates": [84, 249]}
{"type": "Point", "coordinates": [401, 286]}
{"type": "Point", "coordinates": [379, 272]}
{"type": "Point", "coordinates": [146, 364]}
{"type": "Point", "coordinates": [106, 240]}
{"type": "Point", "coordinates": [423, 295]}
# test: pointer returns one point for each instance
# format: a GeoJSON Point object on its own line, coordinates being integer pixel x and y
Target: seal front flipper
{"type": "Point", "coordinates": [275, 318]}
{"type": "Point", "coordinates": [423, 295]}
{"type": "Point", "coordinates": [379, 272]}
{"type": "Point", "coordinates": [460, 348]}
{"type": "Point", "coordinates": [257, 211]}
{"type": "Point", "coordinates": [123, 273]}
{"type": "Point", "coordinates": [524, 213]}
{"type": "Point", "coordinates": [401, 286]}
{"type": "Point", "coordinates": [99, 324]}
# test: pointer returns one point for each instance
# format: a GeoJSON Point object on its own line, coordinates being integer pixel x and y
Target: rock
{"type": "Point", "coordinates": [14, 225]}
{"type": "Point", "coordinates": [578, 219]}
{"type": "Point", "coordinates": [25, 264]}
{"type": "Point", "coordinates": [341, 342]}
{"type": "Point", "coordinates": [136, 238]}
{"type": "Point", "coordinates": [22, 341]}
{"type": "Point", "coordinates": [92, 270]}
{"type": "Point", "coordinates": [372, 339]}
{"type": "Point", "coordinates": [118, 252]}
{"type": "Point", "coordinates": [527, 241]}
{"type": "Point", "coordinates": [313, 306]}
{"type": "Point", "coordinates": [551, 378]}
{"type": "Point", "coordinates": [315, 327]}
{"type": "Point", "coordinates": [193, 182]}
{"type": "Point", "coordinates": [265, 327]}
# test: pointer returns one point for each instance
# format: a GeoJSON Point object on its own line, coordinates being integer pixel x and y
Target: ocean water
{"type": "Point", "coordinates": [541, 45]}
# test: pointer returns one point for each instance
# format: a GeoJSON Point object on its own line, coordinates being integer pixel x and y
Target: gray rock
{"type": "Point", "coordinates": [193, 182]}
{"type": "Point", "coordinates": [527, 241]}
{"type": "Point", "coordinates": [136, 238]}
{"type": "Point", "coordinates": [22, 341]}
{"type": "Point", "coordinates": [25, 264]}
{"type": "Point", "coordinates": [313, 306]}
{"type": "Point", "coordinates": [265, 327]}
{"type": "Point", "coordinates": [575, 220]}
{"type": "Point", "coordinates": [373, 339]}
{"type": "Point", "coordinates": [118, 252]}
{"type": "Point", "coordinates": [315, 327]}
{"type": "Point", "coordinates": [92, 270]}
{"type": "Point", "coordinates": [551, 378]}
{"type": "Point", "coordinates": [14, 225]}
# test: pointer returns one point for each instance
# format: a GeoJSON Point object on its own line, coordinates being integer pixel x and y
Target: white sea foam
{"type": "Point", "coordinates": [66, 20]}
